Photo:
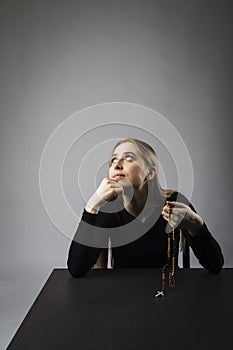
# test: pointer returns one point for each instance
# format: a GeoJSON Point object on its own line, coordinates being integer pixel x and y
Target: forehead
{"type": "Point", "coordinates": [126, 147]}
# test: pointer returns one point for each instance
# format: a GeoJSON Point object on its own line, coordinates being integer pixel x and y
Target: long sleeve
{"type": "Point", "coordinates": [81, 258]}
{"type": "Point", "coordinates": [204, 245]}
{"type": "Point", "coordinates": [149, 250]}
{"type": "Point", "coordinates": [206, 249]}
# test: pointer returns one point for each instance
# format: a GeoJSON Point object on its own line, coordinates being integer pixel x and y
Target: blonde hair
{"type": "Point", "coordinates": [150, 158]}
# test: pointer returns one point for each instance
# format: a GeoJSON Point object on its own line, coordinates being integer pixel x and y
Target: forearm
{"type": "Point", "coordinates": [81, 258]}
{"type": "Point", "coordinates": [206, 249]}
{"type": "Point", "coordinates": [195, 224]}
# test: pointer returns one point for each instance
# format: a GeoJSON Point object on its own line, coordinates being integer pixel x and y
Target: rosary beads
{"type": "Point", "coordinates": [170, 265]}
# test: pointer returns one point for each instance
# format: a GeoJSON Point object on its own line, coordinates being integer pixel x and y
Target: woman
{"type": "Point", "coordinates": [133, 181]}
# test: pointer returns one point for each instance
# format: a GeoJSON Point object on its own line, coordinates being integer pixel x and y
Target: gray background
{"type": "Point", "coordinates": [58, 57]}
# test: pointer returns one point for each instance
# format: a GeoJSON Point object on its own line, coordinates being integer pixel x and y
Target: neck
{"type": "Point", "coordinates": [139, 200]}
{"type": "Point", "coordinates": [136, 204]}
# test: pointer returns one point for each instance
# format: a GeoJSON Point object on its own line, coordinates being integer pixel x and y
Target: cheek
{"type": "Point", "coordinates": [110, 172]}
{"type": "Point", "coordinates": [140, 170]}
{"type": "Point", "coordinates": [137, 173]}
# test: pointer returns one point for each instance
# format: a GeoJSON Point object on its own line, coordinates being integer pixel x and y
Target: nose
{"type": "Point", "coordinates": [118, 164]}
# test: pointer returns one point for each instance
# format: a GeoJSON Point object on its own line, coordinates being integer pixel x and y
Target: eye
{"type": "Point", "coordinates": [113, 160]}
{"type": "Point", "coordinates": [129, 157]}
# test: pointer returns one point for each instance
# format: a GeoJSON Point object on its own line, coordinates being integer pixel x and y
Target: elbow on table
{"type": "Point", "coordinates": [217, 267]}
{"type": "Point", "coordinates": [76, 272]}
{"type": "Point", "coordinates": [215, 270]}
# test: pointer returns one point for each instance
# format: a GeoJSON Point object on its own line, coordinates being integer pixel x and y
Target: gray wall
{"type": "Point", "coordinates": [58, 57]}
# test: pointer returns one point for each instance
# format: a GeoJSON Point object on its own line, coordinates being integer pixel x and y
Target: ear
{"type": "Point", "coordinates": [152, 173]}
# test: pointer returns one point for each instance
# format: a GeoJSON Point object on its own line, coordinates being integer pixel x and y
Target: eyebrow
{"type": "Point", "coordinates": [115, 154]}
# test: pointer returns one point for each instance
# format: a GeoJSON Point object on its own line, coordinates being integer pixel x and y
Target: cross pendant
{"type": "Point", "coordinates": [159, 294]}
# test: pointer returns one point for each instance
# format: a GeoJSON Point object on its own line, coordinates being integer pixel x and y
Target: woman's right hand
{"type": "Point", "coordinates": [108, 190]}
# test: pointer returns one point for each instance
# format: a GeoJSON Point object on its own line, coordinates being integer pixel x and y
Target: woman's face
{"type": "Point", "coordinates": [127, 163]}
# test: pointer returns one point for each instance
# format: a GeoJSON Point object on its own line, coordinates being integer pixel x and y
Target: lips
{"type": "Point", "coordinates": [118, 175]}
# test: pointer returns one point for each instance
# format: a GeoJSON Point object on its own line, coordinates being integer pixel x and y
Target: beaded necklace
{"type": "Point", "coordinates": [170, 265]}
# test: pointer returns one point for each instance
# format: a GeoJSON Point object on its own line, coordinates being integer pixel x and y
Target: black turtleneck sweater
{"type": "Point", "coordinates": [149, 250]}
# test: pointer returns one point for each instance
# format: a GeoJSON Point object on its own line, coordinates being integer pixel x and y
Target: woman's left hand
{"type": "Point", "coordinates": [182, 217]}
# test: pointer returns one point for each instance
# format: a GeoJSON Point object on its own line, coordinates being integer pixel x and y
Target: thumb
{"type": "Point", "coordinates": [168, 228]}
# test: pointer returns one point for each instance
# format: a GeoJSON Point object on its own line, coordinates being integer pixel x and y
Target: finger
{"type": "Point", "coordinates": [176, 204]}
{"type": "Point", "coordinates": [166, 218]}
{"type": "Point", "coordinates": [119, 190]}
{"type": "Point", "coordinates": [167, 208]}
{"type": "Point", "coordinates": [172, 223]}
{"type": "Point", "coordinates": [114, 194]}
{"type": "Point", "coordinates": [168, 228]}
{"type": "Point", "coordinates": [114, 185]}
{"type": "Point", "coordinates": [173, 217]}
{"type": "Point", "coordinates": [169, 211]}
{"type": "Point", "coordinates": [171, 220]}
{"type": "Point", "coordinates": [165, 213]}
{"type": "Point", "coordinates": [110, 181]}
{"type": "Point", "coordinates": [177, 211]}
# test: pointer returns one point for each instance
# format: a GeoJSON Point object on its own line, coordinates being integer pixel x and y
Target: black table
{"type": "Point", "coordinates": [116, 309]}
